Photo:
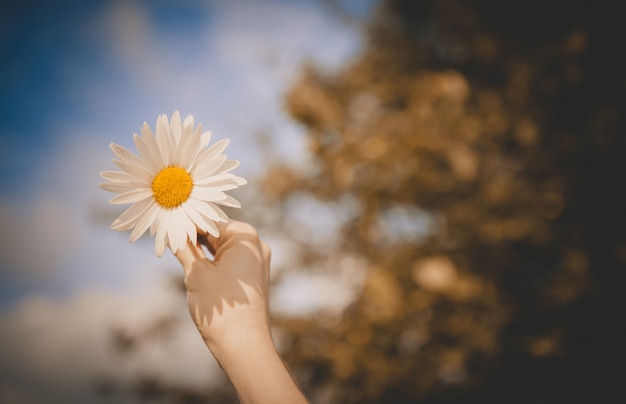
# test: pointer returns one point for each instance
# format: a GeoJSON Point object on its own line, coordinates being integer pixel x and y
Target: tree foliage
{"type": "Point", "coordinates": [473, 155]}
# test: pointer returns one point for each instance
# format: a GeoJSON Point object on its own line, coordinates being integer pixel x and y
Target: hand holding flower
{"type": "Point", "coordinates": [228, 301]}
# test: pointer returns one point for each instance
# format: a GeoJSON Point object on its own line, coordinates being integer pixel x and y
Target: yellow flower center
{"type": "Point", "coordinates": [172, 186]}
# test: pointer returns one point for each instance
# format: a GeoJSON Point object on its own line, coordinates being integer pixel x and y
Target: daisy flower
{"type": "Point", "coordinates": [175, 184]}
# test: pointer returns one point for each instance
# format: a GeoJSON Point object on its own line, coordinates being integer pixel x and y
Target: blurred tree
{"type": "Point", "coordinates": [473, 155]}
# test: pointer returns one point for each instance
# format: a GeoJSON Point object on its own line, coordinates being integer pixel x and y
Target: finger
{"type": "Point", "coordinates": [231, 233]}
{"type": "Point", "coordinates": [267, 251]}
{"type": "Point", "coordinates": [203, 239]}
{"type": "Point", "coordinates": [214, 243]}
{"type": "Point", "coordinates": [189, 255]}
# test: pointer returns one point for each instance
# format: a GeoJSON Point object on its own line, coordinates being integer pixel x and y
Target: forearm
{"type": "Point", "coordinates": [255, 369]}
{"type": "Point", "coordinates": [228, 301]}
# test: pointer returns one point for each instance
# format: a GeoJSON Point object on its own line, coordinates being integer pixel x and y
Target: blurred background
{"type": "Point", "coordinates": [441, 182]}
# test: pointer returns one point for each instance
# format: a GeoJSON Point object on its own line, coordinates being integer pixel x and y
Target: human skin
{"type": "Point", "coordinates": [228, 302]}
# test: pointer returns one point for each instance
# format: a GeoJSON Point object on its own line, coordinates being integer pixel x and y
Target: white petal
{"type": "Point", "coordinates": [117, 176]}
{"type": "Point", "coordinates": [222, 182]}
{"type": "Point", "coordinates": [187, 149]}
{"type": "Point", "coordinates": [164, 139]}
{"type": "Point", "coordinates": [150, 160]}
{"type": "Point", "coordinates": [212, 229]}
{"type": "Point", "coordinates": [231, 177]}
{"type": "Point", "coordinates": [205, 139]}
{"type": "Point", "coordinates": [230, 202]}
{"type": "Point", "coordinates": [166, 229]}
{"type": "Point", "coordinates": [120, 187]}
{"type": "Point", "coordinates": [176, 231]}
{"type": "Point", "coordinates": [155, 224]}
{"type": "Point", "coordinates": [191, 149]}
{"type": "Point", "coordinates": [126, 155]}
{"type": "Point", "coordinates": [204, 209]}
{"type": "Point", "coordinates": [200, 221]}
{"type": "Point", "coordinates": [132, 196]}
{"type": "Point", "coordinates": [207, 194]}
{"type": "Point", "coordinates": [205, 158]}
{"type": "Point", "coordinates": [218, 147]}
{"type": "Point", "coordinates": [188, 121]}
{"type": "Point", "coordinates": [175, 126]}
{"type": "Point", "coordinates": [213, 150]}
{"type": "Point", "coordinates": [159, 246]}
{"type": "Point", "coordinates": [152, 147]}
{"type": "Point", "coordinates": [145, 221]}
{"type": "Point", "coordinates": [228, 165]}
{"type": "Point", "coordinates": [161, 232]}
{"type": "Point", "coordinates": [187, 130]}
{"type": "Point", "coordinates": [130, 216]}
{"type": "Point", "coordinates": [167, 240]}
{"type": "Point", "coordinates": [134, 170]}
{"type": "Point", "coordinates": [223, 217]}
{"type": "Point", "coordinates": [211, 179]}
{"type": "Point", "coordinates": [187, 225]}
{"type": "Point", "coordinates": [207, 166]}
{"type": "Point", "coordinates": [224, 185]}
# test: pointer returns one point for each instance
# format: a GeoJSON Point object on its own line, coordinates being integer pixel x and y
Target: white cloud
{"type": "Point", "coordinates": [231, 75]}
{"type": "Point", "coordinates": [35, 240]}
{"type": "Point", "coordinates": [330, 287]}
{"type": "Point", "coordinates": [278, 36]}
{"type": "Point", "coordinates": [62, 347]}
{"type": "Point", "coordinates": [54, 243]}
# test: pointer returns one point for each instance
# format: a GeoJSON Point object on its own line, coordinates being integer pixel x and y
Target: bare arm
{"type": "Point", "coordinates": [228, 301]}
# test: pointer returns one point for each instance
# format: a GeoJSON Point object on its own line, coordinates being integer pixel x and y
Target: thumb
{"type": "Point", "coordinates": [190, 254]}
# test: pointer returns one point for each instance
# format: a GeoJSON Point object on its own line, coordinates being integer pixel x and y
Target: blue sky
{"type": "Point", "coordinates": [77, 75]}
{"type": "Point", "coordinates": [56, 56]}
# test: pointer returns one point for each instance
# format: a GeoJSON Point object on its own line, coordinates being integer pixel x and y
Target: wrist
{"type": "Point", "coordinates": [234, 343]}
{"type": "Point", "coordinates": [255, 368]}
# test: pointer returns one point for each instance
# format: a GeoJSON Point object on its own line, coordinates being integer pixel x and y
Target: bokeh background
{"type": "Point", "coordinates": [441, 182]}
